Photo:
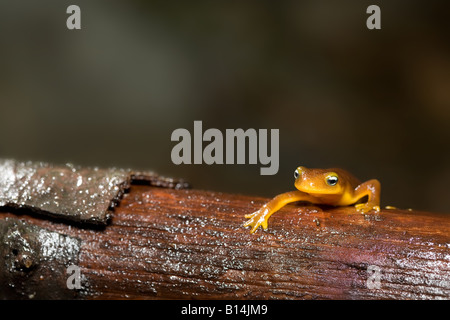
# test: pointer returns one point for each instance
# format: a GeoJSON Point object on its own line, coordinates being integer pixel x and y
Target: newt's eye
{"type": "Point", "coordinates": [296, 174]}
{"type": "Point", "coordinates": [332, 180]}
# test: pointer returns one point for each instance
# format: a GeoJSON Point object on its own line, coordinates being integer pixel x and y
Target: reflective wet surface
{"type": "Point", "coordinates": [75, 193]}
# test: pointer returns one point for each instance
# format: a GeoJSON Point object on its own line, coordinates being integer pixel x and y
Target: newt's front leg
{"type": "Point", "coordinates": [260, 217]}
{"type": "Point", "coordinates": [371, 189]}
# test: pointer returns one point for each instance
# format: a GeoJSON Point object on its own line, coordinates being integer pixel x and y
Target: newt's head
{"type": "Point", "coordinates": [318, 181]}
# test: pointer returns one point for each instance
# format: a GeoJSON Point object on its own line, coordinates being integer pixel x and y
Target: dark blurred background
{"type": "Point", "coordinates": [376, 103]}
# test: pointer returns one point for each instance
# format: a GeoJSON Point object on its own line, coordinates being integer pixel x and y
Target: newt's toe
{"type": "Point", "coordinates": [365, 207]}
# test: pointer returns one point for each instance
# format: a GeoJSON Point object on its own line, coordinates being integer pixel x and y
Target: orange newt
{"type": "Point", "coordinates": [334, 187]}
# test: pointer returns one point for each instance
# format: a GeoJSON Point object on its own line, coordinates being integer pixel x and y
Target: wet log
{"type": "Point", "coordinates": [191, 244]}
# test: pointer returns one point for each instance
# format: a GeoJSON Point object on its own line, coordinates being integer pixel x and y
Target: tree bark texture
{"type": "Point", "coordinates": [191, 244]}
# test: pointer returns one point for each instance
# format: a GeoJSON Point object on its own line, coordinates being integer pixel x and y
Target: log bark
{"type": "Point", "coordinates": [190, 244]}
